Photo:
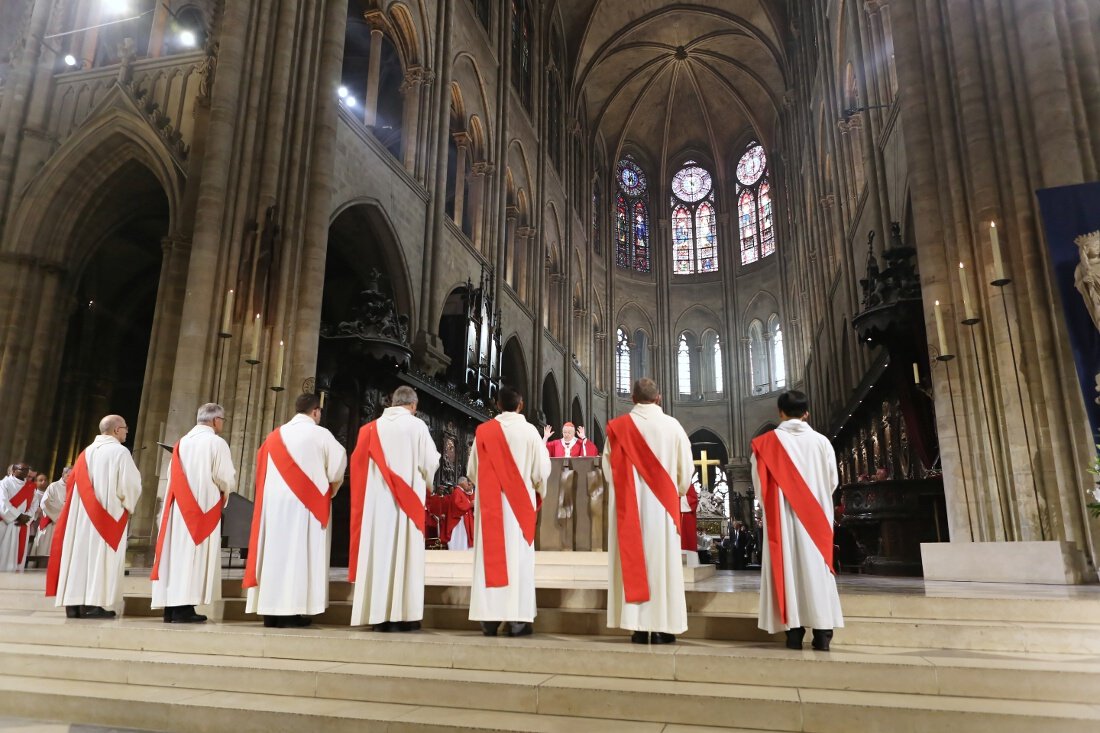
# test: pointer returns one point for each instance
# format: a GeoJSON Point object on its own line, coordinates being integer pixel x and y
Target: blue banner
{"type": "Point", "coordinates": [1070, 214]}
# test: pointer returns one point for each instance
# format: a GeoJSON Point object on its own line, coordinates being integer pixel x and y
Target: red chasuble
{"type": "Point", "coordinates": [689, 524]}
{"type": "Point", "coordinates": [368, 448]}
{"type": "Point", "coordinates": [109, 528]}
{"type": "Point", "coordinates": [318, 504]}
{"type": "Point", "coordinates": [778, 474]}
{"type": "Point", "coordinates": [200, 524]}
{"type": "Point", "coordinates": [460, 508]}
{"type": "Point", "coordinates": [499, 479]}
{"type": "Point", "coordinates": [24, 496]}
{"type": "Point", "coordinates": [630, 453]}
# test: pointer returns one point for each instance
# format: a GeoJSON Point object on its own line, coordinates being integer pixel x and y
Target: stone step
{"type": "Point", "coordinates": [581, 703]}
{"type": "Point", "coordinates": [446, 657]}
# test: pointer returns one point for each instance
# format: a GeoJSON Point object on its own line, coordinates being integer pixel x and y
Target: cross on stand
{"type": "Point", "coordinates": [704, 465]}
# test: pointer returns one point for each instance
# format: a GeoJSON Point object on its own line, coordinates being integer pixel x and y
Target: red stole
{"type": "Point", "coordinates": [200, 524]}
{"type": "Point", "coordinates": [24, 496]}
{"type": "Point", "coordinates": [778, 474]}
{"type": "Point", "coordinates": [368, 447]}
{"type": "Point", "coordinates": [629, 453]}
{"type": "Point", "coordinates": [319, 505]}
{"type": "Point", "coordinates": [498, 479]}
{"type": "Point", "coordinates": [109, 528]}
{"type": "Point", "coordinates": [689, 524]}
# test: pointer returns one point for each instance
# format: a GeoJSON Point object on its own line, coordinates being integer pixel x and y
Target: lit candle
{"type": "Point", "coordinates": [939, 330]}
{"type": "Point", "coordinates": [227, 317]}
{"type": "Point", "coordinates": [968, 309]}
{"type": "Point", "coordinates": [258, 336]}
{"type": "Point", "coordinates": [998, 264]}
{"type": "Point", "coordinates": [916, 373]}
{"type": "Point", "coordinates": [279, 365]}
{"type": "Point", "coordinates": [322, 399]}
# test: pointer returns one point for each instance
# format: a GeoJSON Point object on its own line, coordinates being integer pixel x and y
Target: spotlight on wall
{"type": "Point", "coordinates": [187, 39]}
{"type": "Point", "coordinates": [70, 60]}
{"type": "Point", "coordinates": [350, 101]}
{"type": "Point", "coordinates": [342, 92]}
{"type": "Point", "coordinates": [116, 7]}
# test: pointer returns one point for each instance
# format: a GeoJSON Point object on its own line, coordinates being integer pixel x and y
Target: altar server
{"type": "Point", "coordinates": [17, 506]}
{"type": "Point", "coordinates": [53, 501]}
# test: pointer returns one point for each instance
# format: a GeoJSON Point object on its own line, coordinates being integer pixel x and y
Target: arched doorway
{"type": "Point", "coordinates": [513, 372]}
{"type": "Point", "coordinates": [576, 412]}
{"type": "Point", "coordinates": [710, 456]}
{"type": "Point", "coordinates": [551, 403]}
{"type": "Point", "coordinates": [109, 305]}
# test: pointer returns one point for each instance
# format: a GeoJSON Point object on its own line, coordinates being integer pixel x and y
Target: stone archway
{"type": "Point", "coordinates": [551, 402]}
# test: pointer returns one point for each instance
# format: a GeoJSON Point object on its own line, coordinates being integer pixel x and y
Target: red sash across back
{"type": "Point", "coordinates": [24, 496]}
{"type": "Point", "coordinates": [499, 479]}
{"type": "Point", "coordinates": [369, 448]}
{"type": "Point", "coordinates": [200, 524]}
{"type": "Point", "coordinates": [778, 474]}
{"type": "Point", "coordinates": [629, 453]}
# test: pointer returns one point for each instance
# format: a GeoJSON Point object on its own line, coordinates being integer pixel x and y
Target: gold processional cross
{"type": "Point", "coordinates": [704, 465]}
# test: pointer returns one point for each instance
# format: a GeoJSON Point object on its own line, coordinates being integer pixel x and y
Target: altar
{"type": "Point", "coordinates": [574, 510]}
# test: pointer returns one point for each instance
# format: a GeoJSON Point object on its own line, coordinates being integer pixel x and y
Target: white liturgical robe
{"type": "Point", "coordinates": [666, 609]}
{"type": "Point", "coordinates": [515, 601]}
{"type": "Point", "coordinates": [291, 551]}
{"type": "Point", "coordinates": [90, 572]}
{"type": "Point", "coordinates": [11, 534]}
{"type": "Point", "coordinates": [190, 574]}
{"type": "Point", "coordinates": [389, 582]}
{"type": "Point", "coordinates": [810, 587]}
{"type": "Point", "coordinates": [53, 501]}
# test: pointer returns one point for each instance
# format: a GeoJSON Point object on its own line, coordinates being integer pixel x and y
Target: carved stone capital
{"type": "Point", "coordinates": [512, 213]}
{"type": "Point", "coordinates": [414, 77]}
{"type": "Point", "coordinates": [526, 232]}
{"type": "Point", "coordinates": [871, 7]}
{"type": "Point", "coordinates": [462, 139]}
{"type": "Point", "coordinates": [376, 19]}
{"type": "Point", "coordinates": [483, 168]}
{"type": "Point", "coordinates": [828, 201]}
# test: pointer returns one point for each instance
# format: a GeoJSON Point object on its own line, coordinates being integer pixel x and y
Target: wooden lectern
{"type": "Point", "coordinates": [574, 510]}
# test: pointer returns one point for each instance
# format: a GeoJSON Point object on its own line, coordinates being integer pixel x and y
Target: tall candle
{"type": "Point", "coordinates": [916, 373]}
{"type": "Point", "coordinates": [940, 335]}
{"type": "Point", "coordinates": [322, 398]}
{"type": "Point", "coordinates": [279, 365]}
{"type": "Point", "coordinates": [968, 308]}
{"type": "Point", "coordinates": [998, 264]}
{"type": "Point", "coordinates": [227, 317]}
{"type": "Point", "coordinates": [257, 336]}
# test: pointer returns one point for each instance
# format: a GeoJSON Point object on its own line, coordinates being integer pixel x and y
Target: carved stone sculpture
{"type": "Point", "coordinates": [1086, 278]}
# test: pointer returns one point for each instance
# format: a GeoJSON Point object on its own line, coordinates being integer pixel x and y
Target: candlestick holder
{"type": "Point", "coordinates": [275, 409]}
{"type": "Point", "coordinates": [223, 341]}
{"type": "Point", "coordinates": [1002, 499]}
{"type": "Point", "coordinates": [946, 360]}
{"type": "Point", "coordinates": [1002, 283]}
{"type": "Point", "coordinates": [247, 409]}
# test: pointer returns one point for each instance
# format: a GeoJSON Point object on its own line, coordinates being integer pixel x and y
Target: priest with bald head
{"type": "Point", "coordinates": [392, 468]}
{"type": "Point", "coordinates": [647, 464]}
{"type": "Point", "coordinates": [88, 557]}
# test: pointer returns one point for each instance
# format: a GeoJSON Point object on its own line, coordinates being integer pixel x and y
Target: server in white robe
{"type": "Point", "coordinates": [794, 473]}
{"type": "Point", "coordinates": [187, 565]}
{"type": "Point", "coordinates": [88, 557]}
{"type": "Point", "coordinates": [647, 464]}
{"type": "Point", "coordinates": [392, 467]}
{"type": "Point", "coordinates": [53, 501]}
{"type": "Point", "coordinates": [510, 465]}
{"type": "Point", "coordinates": [299, 468]}
{"type": "Point", "coordinates": [17, 500]}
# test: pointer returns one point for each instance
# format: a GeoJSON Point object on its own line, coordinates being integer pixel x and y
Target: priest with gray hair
{"type": "Point", "coordinates": [187, 566]}
{"type": "Point", "coordinates": [392, 468]}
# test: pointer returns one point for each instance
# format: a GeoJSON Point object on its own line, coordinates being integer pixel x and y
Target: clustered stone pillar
{"type": "Point", "coordinates": [374, 68]}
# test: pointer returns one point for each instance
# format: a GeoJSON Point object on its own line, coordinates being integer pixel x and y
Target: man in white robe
{"type": "Point", "coordinates": [647, 464]}
{"type": "Point", "coordinates": [794, 473]}
{"type": "Point", "coordinates": [17, 502]}
{"type": "Point", "coordinates": [509, 464]}
{"type": "Point", "coordinates": [299, 468]}
{"type": "Point", "coordinates": [392, 467]}
{"type": "Point", "coordinates": [53, 501]}
{"type": "Point", "coordinates": [88, 558]}
{"type": "Point", "coordinates": [187, 566]}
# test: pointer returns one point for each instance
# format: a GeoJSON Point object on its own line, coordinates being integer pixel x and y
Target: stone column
{"type": "Point", "coordinates": [521, 273]}
{"type": "Point", "coordinates": [462, 143]}
{"type": "Point", "coordinates": [374, 69]}
{"type": "Point", "coordinates": [415, 78]}
{"type": "Point", "coordinates": [482, 173]}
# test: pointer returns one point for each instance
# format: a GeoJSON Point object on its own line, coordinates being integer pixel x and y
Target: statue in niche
{"type": "Point", "coordinates": [887, 439]}
{"type": "Point", "coordinates": [864, 456]}
{"type": "Point", "coordinates": [1086, 278]}
{"type": "Point", "coordinates": [903, 451]}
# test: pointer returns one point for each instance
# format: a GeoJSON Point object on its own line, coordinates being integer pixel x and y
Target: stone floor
{"type": "Point", "coordinates": [20, 725]}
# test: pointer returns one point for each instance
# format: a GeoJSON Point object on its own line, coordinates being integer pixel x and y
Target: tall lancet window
{"type": "Point", "coordinates": [755, 222]}
{"type": "Point", "coordinates": [758, 360]}
{"type": "Point", "coordinates": [631, 217]}
{"type": "Point", "coordinates": [779, 362]}
{"type": "Point", "coordinates": [683, 366]}
{"type": "Point", "coordinates": [694, 232]}
{"type": "Point", "coordinates": [622, 362]}
{"type": "Point", "coordinates": [711, 363]}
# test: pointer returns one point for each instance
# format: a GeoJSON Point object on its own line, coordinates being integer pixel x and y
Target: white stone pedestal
{"type": "Point", "coordinates": [1052, 563]}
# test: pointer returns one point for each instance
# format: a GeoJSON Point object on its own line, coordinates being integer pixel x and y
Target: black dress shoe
{"type": "Point", "coordinates": [384, 627]}
{"type": "Point", "coordinates": [408, 626]}
{"type": "Point", "coordinates": [663, 638]}
{"type": "Point", "coordinates": [72, 611]}
{"type": "Point", "coordinates": [96, 612]}
{"type": "Point", "coordinates": [169, 612]}
{"type": "Point", "coordinates": [489, 628]}
{"type": "Point", "coordinates": [299, 621]}
{"type": "Point", "coordinates": [274, 622]}
{"type": "Point", "coordinates": [521, 629]}
{"type": "Point", "coordinates": [822, 637]}
{"type": "Point", "coordinates": [186, 615]}
{"type": "Point", "coordinates": [640, 637]}
{"type": "Point", "coordinates": [795, 637]}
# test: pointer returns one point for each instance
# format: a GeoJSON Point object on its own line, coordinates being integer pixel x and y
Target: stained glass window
{"type": "Point", "coordinates": [622, 233]}
{"type": "Point", "coordinates": [716, 354]}
{"type": "Point", "coordinates": [631, 217]}
{"type": "Point", "coordinates": [683, 366]}
{"type": "Point", "coordinates": [622, 362]}
{"type": "Point", "coordinates": [758, 360]}
{"type": "Point", "coordinates": [754, 205]}
{"type": "Point", "coordinates": [521, 51]}
{"type": "Point", "coordinates": [779, 361]}
{"type": "Point", "coordinates": [694, 231]}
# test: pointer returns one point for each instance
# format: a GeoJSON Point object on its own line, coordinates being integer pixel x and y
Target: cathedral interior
{"type": "Point", "coordinates": [238, 202]}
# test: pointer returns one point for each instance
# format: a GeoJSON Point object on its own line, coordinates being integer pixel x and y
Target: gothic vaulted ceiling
{"type": "Point", "coordinates": [669, 77]}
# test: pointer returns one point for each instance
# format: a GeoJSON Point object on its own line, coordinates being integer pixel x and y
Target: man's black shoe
{"type": "Point", "coordinates": [822, 637]}
{"type": "Point", "coordinates": [489, 628]}
{"type": "Point", "coordinates": [795, 637]}
{"type": "Point", "coordinates": [408, 626]}
{"type": "Point", "coordinates": [663, 638]}
{"type": "Point", "coordinates": [72, 611]}
{"type": "Point", "coordinates": [96, 612]}
{"type": "Point", "coordinates": [640, 637]}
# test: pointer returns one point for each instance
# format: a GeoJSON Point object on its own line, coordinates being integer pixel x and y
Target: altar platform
{"type": "Point", "coordinates": [914, 656]}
